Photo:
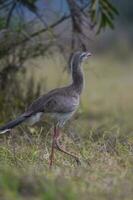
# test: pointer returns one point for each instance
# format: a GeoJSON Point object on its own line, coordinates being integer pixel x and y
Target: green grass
{"type": "Point", "coordinates": [101, 134]}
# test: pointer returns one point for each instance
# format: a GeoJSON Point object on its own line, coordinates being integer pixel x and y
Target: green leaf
{"type": "Point", "coordinates": [112, 7]}
{"type": "Point", "coordinates": [2, 23]}
{"type": "Point", "coordinates": [102, 14]}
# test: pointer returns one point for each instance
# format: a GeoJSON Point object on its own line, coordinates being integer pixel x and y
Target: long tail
{"type": "Point", "coordinates": [13, 123]}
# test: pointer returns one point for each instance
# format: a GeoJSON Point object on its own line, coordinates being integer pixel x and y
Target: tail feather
{"type": "Point", "coordinates": [12, 124]}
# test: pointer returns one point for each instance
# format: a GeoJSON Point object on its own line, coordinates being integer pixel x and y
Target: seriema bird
{"type": "Point", "coordinates": [60, 103]}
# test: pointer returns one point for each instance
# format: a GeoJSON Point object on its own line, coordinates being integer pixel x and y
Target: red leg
{"type": "Point", "coordinates": [61, 149]}
{"type": "Point", "coordinates": [52, 149]}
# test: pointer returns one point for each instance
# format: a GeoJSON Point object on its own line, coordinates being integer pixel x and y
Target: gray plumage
{"type": "Point", "coordinates": [61, 103]}
{"type": "Point", "coordinates": [12, 124]}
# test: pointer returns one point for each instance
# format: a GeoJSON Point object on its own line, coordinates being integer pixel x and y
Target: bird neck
{"type": "Point", "coordinates": [77, 77]}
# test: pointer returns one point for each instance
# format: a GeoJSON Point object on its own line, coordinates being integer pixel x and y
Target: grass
{"type": "Point", "coordinates": [101, 134]}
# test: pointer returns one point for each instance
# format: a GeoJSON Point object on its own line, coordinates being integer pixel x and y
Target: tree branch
{"type": "Point", "coordinates": [10, 13]}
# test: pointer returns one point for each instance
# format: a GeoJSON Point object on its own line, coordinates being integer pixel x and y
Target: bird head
{"type": "Point", "coordinates": [77, 58]}
{"type": "Point", "coordinates": [84, 55]}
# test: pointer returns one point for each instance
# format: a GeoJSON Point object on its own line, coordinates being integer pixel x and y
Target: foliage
{"type": "Point", "coordinates": [102, 14]}
{"type": "Point", "coordinates": [18, 96]}
{"type": "Point", "coordinates": [23, 38]}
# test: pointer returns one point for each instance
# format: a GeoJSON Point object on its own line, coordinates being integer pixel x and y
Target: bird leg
{"type": "Point", "coordinates": [52, 149]}
{"type": "Point", "coordinates": [60, 148]}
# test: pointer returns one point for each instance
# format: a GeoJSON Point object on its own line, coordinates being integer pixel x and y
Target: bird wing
{"type": "Point", "coordinates": [54, 101]}
{"type": "Point", "coordinates": [61, 104]}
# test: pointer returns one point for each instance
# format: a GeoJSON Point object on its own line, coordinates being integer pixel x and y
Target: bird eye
{"type": "Point", "coordinates": [82, 55]}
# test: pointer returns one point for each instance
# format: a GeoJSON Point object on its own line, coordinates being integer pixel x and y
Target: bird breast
{"type": "Point", "coordinates": [70, 104]}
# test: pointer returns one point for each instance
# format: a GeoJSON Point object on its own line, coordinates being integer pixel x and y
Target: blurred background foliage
{"type": "Point", "coordinates": [36, 40]}
{"type": "Point", "coordinates": [29, 29]}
